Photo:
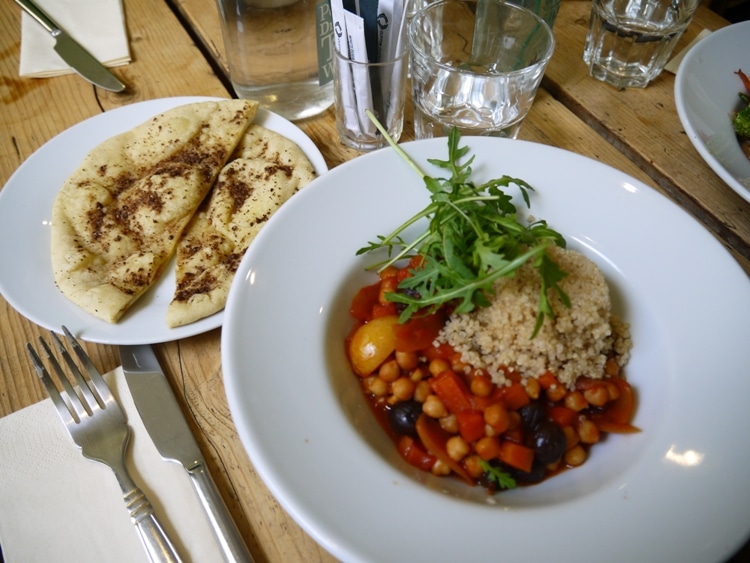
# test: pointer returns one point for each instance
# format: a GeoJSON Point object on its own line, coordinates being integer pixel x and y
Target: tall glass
{"type": "Point", "coordinates": [280, 53]}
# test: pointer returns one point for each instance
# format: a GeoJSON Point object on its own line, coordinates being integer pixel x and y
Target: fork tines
{"type": "Point", "coordinates": [73, 404]}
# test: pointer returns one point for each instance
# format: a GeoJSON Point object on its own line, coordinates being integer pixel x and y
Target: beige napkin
{"type": "Point", "coordinates": [56, 505]}
{"type": "Point", "coordinates": [98, 25]}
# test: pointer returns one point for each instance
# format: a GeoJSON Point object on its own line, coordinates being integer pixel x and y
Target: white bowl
{"type": "Point", "coordinates": [677, 491]}
{"type": "Point", "coordinates": [706, 93]}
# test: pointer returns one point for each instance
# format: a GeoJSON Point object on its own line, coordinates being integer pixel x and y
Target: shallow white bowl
{"type": "Point", "coordinates": [706, 94]}
{"type": "Point", "coordinates": [677, 491]}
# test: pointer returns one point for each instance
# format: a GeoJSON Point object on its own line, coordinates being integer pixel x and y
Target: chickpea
{"type": "Point", "coordinates": [575, 456]}
{"type": "Point", "coordinates": [612, 368]}
{"type": "Point", "coordinates": [403, 389]}
{"type": "Point", "coordinates": [389, 272]}
{"type": "Point", "coordinates": [388, 285]}
{"type": "Point", "coordinates": [457, 448]}
{"type": "Point", "coordinates": [422, 391]}
{"type": "Point", "coordinates": [597, 396]}
{"type": "Point", "coordinates": [407, 360]}
{"type": "Point", "coordinates": [556, 392]}
{"type": "Point", "coordinates": [458, 366]}
{"type": "Point", "coordinates": [481, 384]}
{"type": "Point", "coordinates": [377, 386]}
{"type": "Point", "coordinates": [434, 407]}
{"type": "Point", "coordinates": [532, 388]}
{"type": "Point", "coordinates": [440, 468]}
{"type": "Point", "coordinates": [438, 365]}
{"type": "Point", "coordinates": [418, 374]}
{"type": "Point", "coordinates": [588, 431]}
{"type": "Point", "coordinates": [496, 415]}
{"type": "Point", "coordinates": [571, 437]}
{"type": "Point", "coordinates": [389, 371]}
{"type": "Point", "coordinates": [613, 390]}
{"type": "Point", "coordinates": [487, 447]}
{"type": "Point", "coordinates": [473, 465]}
{"type": "Point", "coordinates": [575, 401]}
{"type": "Point", "coordinates": [449, 424]}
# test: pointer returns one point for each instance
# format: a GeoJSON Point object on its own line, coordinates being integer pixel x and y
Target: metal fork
{"type": "Point", "coordinates": [97, 425]}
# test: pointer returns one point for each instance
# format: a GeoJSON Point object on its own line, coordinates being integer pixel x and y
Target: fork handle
{"type": "Point", "coordinates": [155, 541]}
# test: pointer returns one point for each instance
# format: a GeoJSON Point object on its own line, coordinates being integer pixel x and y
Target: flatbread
{"type": "Point", "coordinates": [265, 171]}
{"type": "Point", "coordinates": [118, 218]}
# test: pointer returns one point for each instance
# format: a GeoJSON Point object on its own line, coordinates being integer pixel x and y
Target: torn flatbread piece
{"type": "Point", "coordinates": [118, 218]}
{"type": "Point", "coordinates": [265, 171]}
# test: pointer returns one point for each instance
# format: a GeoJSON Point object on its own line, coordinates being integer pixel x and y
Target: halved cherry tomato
{"type": "Point", "coordinates": [364, 301]}
{"type": "Point", "coordinates": [414, 454]}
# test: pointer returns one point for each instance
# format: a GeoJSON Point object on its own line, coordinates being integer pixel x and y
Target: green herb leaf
{"type": "Point", "coordinates": [473, 238]}
{"type": "Point", "coordinates": [501, 478]}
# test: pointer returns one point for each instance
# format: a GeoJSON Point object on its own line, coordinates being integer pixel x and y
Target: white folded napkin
{"type": "Point", "coordinates": [56, 505]}
{"type": "Point", "coordinates": [98, 25]}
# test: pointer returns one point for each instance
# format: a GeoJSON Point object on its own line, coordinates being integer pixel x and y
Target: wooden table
{"type": "Point", "coordinates": [177, 50]}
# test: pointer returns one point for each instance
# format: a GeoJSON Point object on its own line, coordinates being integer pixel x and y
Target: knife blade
{"type": "Point", "coordinates": [168, 429]}
{"type": "Point", "coordinates": [78, 58]}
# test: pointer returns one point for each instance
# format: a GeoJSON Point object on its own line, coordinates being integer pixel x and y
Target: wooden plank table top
{"type": "Point", "coordinates": [637, 132]}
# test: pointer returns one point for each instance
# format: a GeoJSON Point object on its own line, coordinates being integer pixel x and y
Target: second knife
{"type": "Point", "coordinates": [168, 429]}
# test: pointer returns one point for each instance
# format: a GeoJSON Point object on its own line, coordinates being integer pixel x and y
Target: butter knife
{"type": "Point", "coordinates": [168, 429]}
{"type": "Point", "coordinates": [78, 58]}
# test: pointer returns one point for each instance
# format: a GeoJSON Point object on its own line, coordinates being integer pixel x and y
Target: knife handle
{"type": "Point", "coordinates": [232, 546]}
{"type": "Point", "coordinates": [39, 15]}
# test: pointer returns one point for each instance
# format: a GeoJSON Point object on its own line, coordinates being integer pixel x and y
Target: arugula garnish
{"type": "Point", "coordinates": [501, 478]}
{"type": "Point", "coordinates": [473, 238]}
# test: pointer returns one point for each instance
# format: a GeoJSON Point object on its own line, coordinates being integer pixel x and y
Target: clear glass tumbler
{"type": "Point", "coordinates": [280, 53]}
{"type": "Point", "coordinates": [630, 41]}
{"type": "Point", "coordinates": [480, 78]}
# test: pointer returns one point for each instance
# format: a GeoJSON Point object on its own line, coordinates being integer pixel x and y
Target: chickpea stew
{"type": "Point", "coordinates": [450, 418]}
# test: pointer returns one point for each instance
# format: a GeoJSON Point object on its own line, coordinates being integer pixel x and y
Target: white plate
{"type": "Point", "coordinates": [26, 279]}
{"type": "Point", "coordinates": [706, 93]}
{"type": "Point", "coordinates": [677, 491]}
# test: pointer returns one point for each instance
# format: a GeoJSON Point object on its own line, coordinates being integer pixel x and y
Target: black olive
{"type": "Point", "coordinates": [537, 473]}
{"type": "Point", "coordinates": [548, 441]}
{"type": "Point", "coordinates": [403, 417]}
{"type": "Point", "coordinates": [531, 415]}
{"type": "Point", "coordinates": [409, 292]}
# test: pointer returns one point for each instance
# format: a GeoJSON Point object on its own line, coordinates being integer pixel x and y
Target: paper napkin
{"type": "Point", "coordinates": [56, 505]}
{"type": "Point", "coordinates": [98, 25]}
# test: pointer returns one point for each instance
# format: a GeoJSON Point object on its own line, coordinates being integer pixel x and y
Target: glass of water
{"type": "Point", "coordinates": [630, 41]}
{"type": "Point", "coordinates": [280, 53]}
{"type": "Point", "coordinates": [478, 74]}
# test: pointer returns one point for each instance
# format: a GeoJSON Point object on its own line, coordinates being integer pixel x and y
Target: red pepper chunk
{"type": "Point", "coordinates": [514, 396]}
{"type": "Point", "coordinates": [452, 391]}
{"type": "Point", "coordinates": [418, 332]}
{"type": "Point", "coordinates": [516, 455]}
{"type": "Point", "coordinates": [471, 425]}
